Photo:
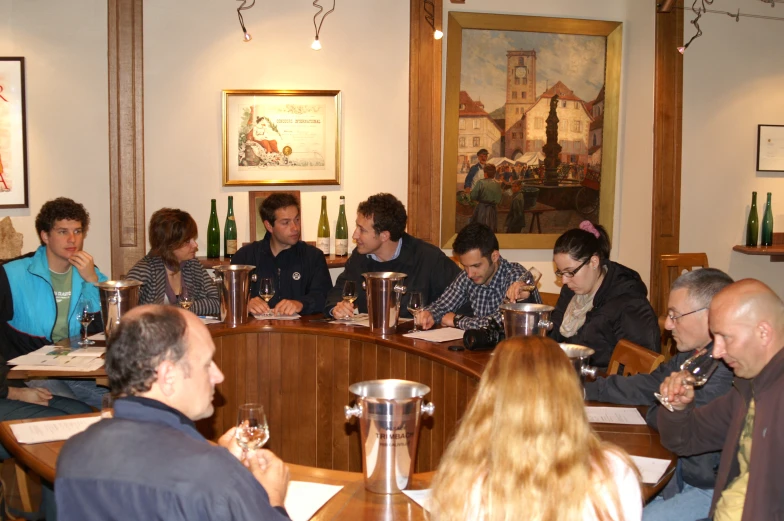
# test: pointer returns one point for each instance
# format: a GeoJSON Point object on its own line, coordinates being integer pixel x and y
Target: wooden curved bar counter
{"type": "Point", "coordinates": [300, 371]}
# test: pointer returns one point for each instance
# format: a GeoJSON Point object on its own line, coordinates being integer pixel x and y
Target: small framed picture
{"type": "Point", "coordinates": [13, 134]}
{"type": "Point", "coordinates": [255, 199]}
{"type": "Point", "coordinates": [770, 148]}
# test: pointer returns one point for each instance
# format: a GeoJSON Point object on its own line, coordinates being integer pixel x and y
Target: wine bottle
{"type": "Point", "coordinates": [322, 239]}
{"type": "Point", "coordinates": [341, 230]}
{"type": "Point", "coordinates": [213, 234]}
{"type": "Point", "coordinates": [752, 226]}
{"type": "Point", "coordinates": [767, 225]}
{"type": "Point", "coordinates": [230, 232]}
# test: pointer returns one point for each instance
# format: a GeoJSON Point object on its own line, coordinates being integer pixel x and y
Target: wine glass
{"type": "Point", "coordinates": [267, 291]}
{"type": "Point", "coordinates": [184, 300]}
{"type": "Point", "coordinates": [87, 311]}
{"type": "Point", "coordinates": [415, 304]}
{"type": "Point", "coordinates": [252, 429]}
{"type": "Point", "coordinates": [697, 370]}
{"type": "Point", "coordinates": [350, 293]}
{"type": "Point", "coordinates": [529, 279]}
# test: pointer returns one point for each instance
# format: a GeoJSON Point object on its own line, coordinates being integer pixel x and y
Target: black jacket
{"type": "Point", "coordinates": [300, 273]}
{"type": "Point", "coordinates": [428, 270]}
{"type": "Point", "coordinates": [698, 471]}
{"type": "Point", "coordinates": [620, 310]}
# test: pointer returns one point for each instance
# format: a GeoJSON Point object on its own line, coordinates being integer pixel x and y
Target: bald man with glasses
{"type": "Point", "coordinates": [688, 494]}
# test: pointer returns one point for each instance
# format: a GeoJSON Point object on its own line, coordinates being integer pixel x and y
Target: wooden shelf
{"type": "Point", "coordinates": [775, 252]}
{"type": "Point", "coordinates": [332, 261]}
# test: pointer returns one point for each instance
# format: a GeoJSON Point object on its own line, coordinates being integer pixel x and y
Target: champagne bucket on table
{"type": "Point", "coordinates": [526, 319]}
{"type": "Point", "coordinates": [234, 285]}
{"type": "Point", "coordinates": [389, 413]}
{"type": "Point", "coordinates": [383, 299]}
{"type": "Point", "coordinates": [117, 297]}
{"type": "Point", "coordinates": [578, 356]}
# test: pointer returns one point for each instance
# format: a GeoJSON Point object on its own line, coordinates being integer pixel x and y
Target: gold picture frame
{"type": "Point", "coordinates": [461, 21]}
{"type": "Point", "coordinates": [281, 137]}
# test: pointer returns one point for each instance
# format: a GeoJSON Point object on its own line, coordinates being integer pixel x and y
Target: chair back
{"type": "Point", "coordinates": [672, 266]}
{"type": "Point", "coordinates": [634, 358]}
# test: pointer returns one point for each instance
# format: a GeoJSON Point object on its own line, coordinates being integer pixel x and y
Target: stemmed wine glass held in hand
{"type": "Point", "coordinates": [350, 293]}
{"type": "Point", "coordinates": [415, 304]}
{"type": "Point", "coordinates": [267, 291]}
{"type": "Point", "coordinates": [87, 311]}
{"type": "Point", "coordinates": [695, 373]}
{"type": "Point", "coordinates": [252, 429]}
{"type": "Point", "coordinates": [184, 299]}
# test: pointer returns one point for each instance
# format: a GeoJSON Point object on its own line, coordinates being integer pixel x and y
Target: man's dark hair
{"type": "Point", "coordinates": [702, 284]}
{"type": "Point", "coordinates": [57, 210]}
{"type": "Point", "coordinates": [275, 202]}
{"type": "Point", "coordinates": [139, 344]}
{"type": "Point", "coordinates": [389, 214]}
{"type": "Point", "coordinates": [475, 236]}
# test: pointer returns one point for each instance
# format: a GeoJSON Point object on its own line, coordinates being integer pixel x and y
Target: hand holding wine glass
{"type": "Point", "coordinates": [184, 299]}
{"type": "Point", "coordinates": [267, 291]}
{"type": "Point", "coordinates": [694, 373]}
{"type": "Point", "coordinates": [252, 429]}
{"type": "Point", "coordinates": [87, 311]}
{"type": "Point", "coordinates": [349, 296]}
{"type": "Point", "coordinates": [416, 302]}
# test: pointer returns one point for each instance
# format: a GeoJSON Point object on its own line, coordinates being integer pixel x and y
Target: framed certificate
{"type": "Point", "coordinates": [770, 148]}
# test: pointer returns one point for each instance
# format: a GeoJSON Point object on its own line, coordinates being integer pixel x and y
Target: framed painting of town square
{"type": "Point", "coordinates": [281, 137]}
{"type": "Point", "coordinates": [531, 125]}
{"type": "Point", "coordinates": [13, 132]}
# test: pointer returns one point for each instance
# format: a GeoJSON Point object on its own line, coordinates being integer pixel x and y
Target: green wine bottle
{"type": "Point", "coordinates": [767, 225]}
{"type": "Point", "coordinates": [322, 239]}
{"type": "Point", "coordinates": [341, 230]}
{"type": "Point", "coordinates": [752, 226]}
{"type": "Point", "coordinates": [213, 234]}
{"type": "Point", "coordinates": [230, 232]}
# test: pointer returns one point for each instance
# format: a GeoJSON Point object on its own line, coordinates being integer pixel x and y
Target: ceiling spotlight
{"type": "Point", "coordinates": [682, 49]}
{"type": "Point", "coordinates": [430, 11]}
{"type": "Point", "coordinates": [316, 45]}
{"type": "Point", "coordinates": [246, 37]}
{"type": "Point", "coordinates": [438, 34]}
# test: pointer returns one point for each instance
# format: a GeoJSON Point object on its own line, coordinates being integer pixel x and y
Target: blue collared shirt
{"type": "Point", "coordinates": [395, 256]}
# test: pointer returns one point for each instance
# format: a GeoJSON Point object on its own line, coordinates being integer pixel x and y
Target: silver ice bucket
{"type": "Point", "coordinates": [117, 297]}
{"type": "Point", "coordinates": [234, 285]}
{"type": "Point", "coordinates": [389, 413]}
{"type": "Point", "coordinates": [578, 356]}
{"type": "Point", "coordinates": [384, 291]}
{"type": "Point", "coordinates": [526, 319]}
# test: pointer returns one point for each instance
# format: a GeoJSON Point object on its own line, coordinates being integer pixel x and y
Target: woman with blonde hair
{"type": "Point", "coordinates": [525, 450]}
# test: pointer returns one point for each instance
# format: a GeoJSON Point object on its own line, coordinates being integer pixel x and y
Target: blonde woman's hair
{"type": "Point", "coordinates": [526, 442]}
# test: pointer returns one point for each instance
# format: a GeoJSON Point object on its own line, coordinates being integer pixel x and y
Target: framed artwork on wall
{"type": "Point", "coordinates": [255, 199]}
{"type": "Point", "coordinates": [531, 118]}
{"type": "Point", "coordinates": [13, 134]}
{"type": "Point", "coordinates": [281, 137]}
{"type": "Point", "coordinates": [770, 148]}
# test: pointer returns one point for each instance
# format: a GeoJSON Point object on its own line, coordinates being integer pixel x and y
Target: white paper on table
{"type": "Point", "coordinates": [444, 334]}
{"type": "Point", "coordinates": [91, 351]}
{"type": "Point", "coordinates": [420, 497]}
{"type": "Point", "coordinates": [51, 430]}
{"type": "Point", "coordinates": [295, 316]}
{"type": "Point", "coordinates": [210, 320]}
{"type": "Point", "coordinates": [359, 319]}
{"type": "Point", "coordinates": [651, 469]}
{"type": "Point", "coordinates": [304, 499]}
{"type": "Point", "coordinates": [33, 362]}
{"type": "Point", "coordinates": [97, 336]}
{"type": "Point", "coordinates": [621, 415]}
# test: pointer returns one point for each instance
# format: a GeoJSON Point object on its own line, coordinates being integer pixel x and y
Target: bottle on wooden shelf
{"type": "Point", "coordinates": [767, 225]}
{"type": "Point", "coordinates": [341, 230]}
{"type": "Point", "coordinates": [322, 239]}
{"type": "Point", "coordinates": [752, 225]}
{"type": "Point", "coordinates": [213, 234]}
{"type": "Point", "coordinates": [230, 232]}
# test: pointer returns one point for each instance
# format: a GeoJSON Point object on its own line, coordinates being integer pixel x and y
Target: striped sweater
{"type": "Point", "coordinates": [151, 272]}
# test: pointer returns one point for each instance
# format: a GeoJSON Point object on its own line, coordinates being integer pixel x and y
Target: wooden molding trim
{"type": "Point", "coordinates": [424, 127]}
{"type": "Point", "coordinates": [667, 140]}
{"type": "Point", "coordinates": [126, 134]}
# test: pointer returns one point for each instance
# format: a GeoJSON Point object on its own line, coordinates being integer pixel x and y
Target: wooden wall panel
{"type": "Point", "coordinates": [302, 381]}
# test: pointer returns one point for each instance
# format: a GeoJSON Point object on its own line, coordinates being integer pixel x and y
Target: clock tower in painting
{"type": "Point", "coordinates": [520, 96]}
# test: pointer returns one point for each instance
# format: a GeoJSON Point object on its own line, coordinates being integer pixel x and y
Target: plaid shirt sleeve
{"type": "Point", "coordinates": [453, 297]}
{"type": "Point", "coordinates": [485, 301]}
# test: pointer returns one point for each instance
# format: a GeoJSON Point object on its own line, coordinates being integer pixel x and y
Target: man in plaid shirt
{"type": "Point", "coordinates": [483, 282]}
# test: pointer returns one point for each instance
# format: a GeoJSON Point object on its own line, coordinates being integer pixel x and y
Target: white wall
{"type": "Point", "coordinates": [64, 46]}
{"type": "Point", "coordinates": [732, 82]}
{"type": "Point", "coordinates": [632, 223]}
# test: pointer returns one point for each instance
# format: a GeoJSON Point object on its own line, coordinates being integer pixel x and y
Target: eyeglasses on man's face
{"type": "Point", "coordinates": [675, 318]}
{"type": "Point", "coordinates": [571, 273]}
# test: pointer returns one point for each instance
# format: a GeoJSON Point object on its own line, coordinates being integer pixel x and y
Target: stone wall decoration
{"type": "Point", "coordinates": [13, 134]}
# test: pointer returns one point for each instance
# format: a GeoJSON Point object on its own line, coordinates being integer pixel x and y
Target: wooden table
{"type": "Point", "coordinates": [333, 261]}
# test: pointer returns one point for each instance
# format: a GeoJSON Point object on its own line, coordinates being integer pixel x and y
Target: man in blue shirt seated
{"type": "Point", "coordinates": [483, 282]}
{"type": "Point", "coordinates": [149, 461]}
{"type": "Point", "coordinates": [298, 269]}
{"type": "Point", "coordinates": [688, 494]}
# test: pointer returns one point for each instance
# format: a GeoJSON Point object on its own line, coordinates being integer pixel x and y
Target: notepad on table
{"type": "Point", "coordinates": [88, 351]}
{"type": "Point", "coordinates": [295, 316]}
{"type": "Point", "coordinates": [651, 469]}
{"type": "Point", "coordinates": [444, 334]}
{"type": "Point", "coordinates": [66, 363]}
{"type": "Point", "coordinates": [420, 497]}
{"type": "Point", "coordinates": [51, 430]}
{"type": "Point", "coordinates": [304, 499]}
{"type": "Point", "coordinates": [621, 415]}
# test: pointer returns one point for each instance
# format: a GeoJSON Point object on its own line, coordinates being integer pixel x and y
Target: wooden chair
{"type": "Point", "coordinates": [634, 359]}
{"type": "Point", "coordinates": [549, 298]}
{"type": "Point", "coordinates": [672, 266]}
